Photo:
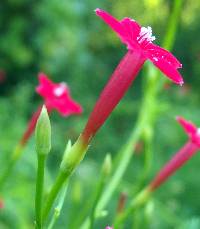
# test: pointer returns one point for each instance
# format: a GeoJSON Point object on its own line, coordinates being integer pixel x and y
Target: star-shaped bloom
{"type": "Point", "coordinates": [57, 96]}
{"type": "Point", "coordinates": [139, 39]}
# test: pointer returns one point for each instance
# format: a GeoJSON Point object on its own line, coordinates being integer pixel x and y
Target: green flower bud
{"type": "Point", "coordinates": [107, 165]}
{"type": "Point", "coordinates": [73, 155]}
{"type": "Point", "coordinates": [43, 133]}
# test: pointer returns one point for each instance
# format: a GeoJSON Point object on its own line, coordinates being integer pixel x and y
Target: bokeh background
{"type": "Point", "coordinates": [64, 39]}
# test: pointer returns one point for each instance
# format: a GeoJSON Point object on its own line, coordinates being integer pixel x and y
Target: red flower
{"type": "Point", "coordinates": [140, 48]}
{"type": "Point", "coordinates": [139, 39]}
{"type": "Point", "coordinates": [57, 96]}
{"type": "Point", "coordinates": [182, 156]}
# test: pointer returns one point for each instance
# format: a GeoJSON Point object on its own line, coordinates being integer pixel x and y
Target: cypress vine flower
{"type": "Point", "coordinates": [182, 156]}
{"type": "Point", "coordinates": [140, 48]}
{"type": "Point", "coordinates": [139, 39]}
{"type": "Point", "coordinates": [56, 97]}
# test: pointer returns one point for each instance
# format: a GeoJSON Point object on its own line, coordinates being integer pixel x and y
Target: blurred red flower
{"type": "Point", "coordinates": [57, 96]}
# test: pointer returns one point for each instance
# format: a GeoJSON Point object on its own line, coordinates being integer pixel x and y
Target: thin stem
{"type": "Point", "coordinates": [6, 173]}
{"type": "Point", "coordinates": [58, 208]}
{"type": "Point", "coordinates": [168, 215]}
{"type": "Point", "coordinates": [172, 25]}
{"type": "Point", "coordinates": [98, 195]}
{"type": "Point", "coordinates": [39, 190]}
{"type": "Point", "coordinates": [148, 158]}
{"type": "Point", "coordinates": [61, 178]}
{"type": "Point", "coordinates": [17, 152]}
{"type": "Point", "coordinates": [148, 153]}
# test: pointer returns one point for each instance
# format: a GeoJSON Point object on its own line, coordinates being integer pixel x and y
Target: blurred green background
{"type": "Point", "coordinates": [64, 39]}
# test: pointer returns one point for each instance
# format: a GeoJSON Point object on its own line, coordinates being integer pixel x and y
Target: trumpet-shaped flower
{"type": "Point", "coordinates": [140, 48]}
{"type": "Point", "coordinates": [182, 156]}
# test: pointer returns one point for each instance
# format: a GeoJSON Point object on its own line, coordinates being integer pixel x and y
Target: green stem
{"type": "Point", "coordinates": [14, 157]}
{"type": "Point", "coordinates": [172, 25]}
{"type": "Point", "coordinates": [6, 174]}
{"type": "Point", "coordinates": [61, 178]}
{"type": "Point", "coordinates": [96, 200]}
{"type": "Point", "coordinates": [39, 190]}
{"type": "Point", "coordinates": [71, 159]}
{"type": "Point", "coordinates": [58, 208]}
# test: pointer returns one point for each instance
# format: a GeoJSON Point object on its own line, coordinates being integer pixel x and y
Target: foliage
{"type": "Point", "coordinates": [63, 39]}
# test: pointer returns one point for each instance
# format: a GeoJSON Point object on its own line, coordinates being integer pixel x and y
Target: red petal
{"type": "Point", "coordinates": [43, 79]}
{"type": "Point", "coordinates": [188, 126]}
{"type": "Point", "coordinates": [131, 32]}
{"type": "Point", "coordinates": [165, 61]}
{"type": "Point", "coordinates": [66, 106]}
{"type": "Point", "coordinates": [155, 52]}
{"type": "Point", "coordinates": [111, 21]}
{"type": "Point", "coordinates": [45, 87]}
{"type": "Point", "coordinates": [170, 72]}
{"type": "Point", "coordinates": [127, 29]}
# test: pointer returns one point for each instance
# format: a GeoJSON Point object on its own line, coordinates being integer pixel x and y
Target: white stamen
{"type": "Point", "coordinates": [154, 58]}
{"type": "Point", "coordinates": [198, 132]}
{"type": "Point", "coordinates": [145, 34]}
{"type": "Point", "coordinates": [60, 89]}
